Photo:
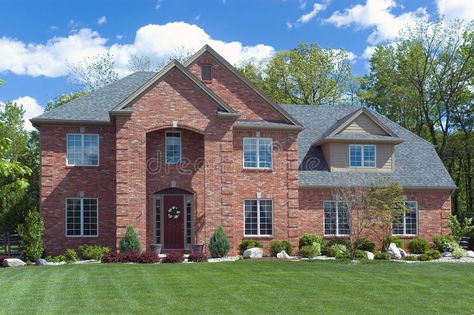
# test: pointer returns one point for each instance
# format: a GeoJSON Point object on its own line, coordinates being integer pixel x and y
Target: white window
{"type": "Point", "coordinates": [258, 217]}
{"type": "Point", "coordinates": [336, 218]}
{"type": "Point", "coordinates": [362, 155]}
{"type": "Point", "coordinates": [173, 147]}
{"type": "Point", "coordinates": [82, 149]}
{"type": "Point", "coordinates": [407, 224]}
{"type": "Point", "coordinates": [257, 153]}
{"type": "Point", "coordinates": [82, 217]}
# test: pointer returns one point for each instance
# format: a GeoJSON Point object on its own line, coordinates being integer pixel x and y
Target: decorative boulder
{"type": "Point", "coordinates": [253, 253]}
{"type": "Point", "coordinates": [470, 253]}
{"type": "Point", "coordinates": [283, 255]}
{"type": "Point", "coordinates": [13, 262]}
{"type": "Point", "coordinates": [41, 262]}
{"type": "Point", "coordinates": [369, 255]}
{"type": "Point", "coordinates": [403, 252]}
{"type": "Point", "coordinates": [394, 252]}
{"type": "Point", "coordinates": [447, 254]}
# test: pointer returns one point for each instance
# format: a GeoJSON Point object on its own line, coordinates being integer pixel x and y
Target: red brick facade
{"type": "Point", "coordinates": [132, 168]}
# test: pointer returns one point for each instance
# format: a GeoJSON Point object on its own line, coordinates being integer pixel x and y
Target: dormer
{"type": "Point", "coordinates": [359, 142]}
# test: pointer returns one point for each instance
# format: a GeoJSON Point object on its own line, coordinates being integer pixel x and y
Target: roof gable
{"type": "Point", "coordinates": [279, 110]}
{"type": "Point", "coordinates": [362, 121]}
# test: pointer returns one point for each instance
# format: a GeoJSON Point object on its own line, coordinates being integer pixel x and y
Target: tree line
{"type": "Point", "coordinates": [423, 81]}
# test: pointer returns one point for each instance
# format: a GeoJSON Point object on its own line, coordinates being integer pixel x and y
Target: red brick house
{"type": "Point", "coordinates": [176, 153]}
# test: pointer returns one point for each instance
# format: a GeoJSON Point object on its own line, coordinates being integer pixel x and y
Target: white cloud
{"type": "Point", "coordinates": [119, 36]}
{"type": "Point", "coordinates": [153, 41]}
{"type": "Point", "coordinates": [453, 9]}
{"type": "Point", "coordinates": [302, 4]}
{"type": "Point", "coordinates": [376, 14]}
{"type": "Point", "coordinates": [317, 7]}
{"type": "Point", "coordinates": [368, 52]}
{"type": "Point", "coordinates": [32, 109]}
{"type": "Point", "coordinates": [158, 4]}
{"type": "Point", "coordinates": [102, 20]}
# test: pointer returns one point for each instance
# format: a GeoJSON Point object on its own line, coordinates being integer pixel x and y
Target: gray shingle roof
{"type": "Point", "coordinates": [416, 162]}
{"type": "Point", "coordinates": [95, 107]}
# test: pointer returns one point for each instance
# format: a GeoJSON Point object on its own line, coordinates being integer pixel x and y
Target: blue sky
{"type": "Point", "coordinates": [39, 38]}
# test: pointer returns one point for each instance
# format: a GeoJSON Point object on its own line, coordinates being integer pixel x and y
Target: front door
{"type": "Point", "coordinates": [173, 223]}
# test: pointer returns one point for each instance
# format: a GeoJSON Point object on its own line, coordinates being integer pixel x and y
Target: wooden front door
{"type": "Point", "coordinates": [173, 223]}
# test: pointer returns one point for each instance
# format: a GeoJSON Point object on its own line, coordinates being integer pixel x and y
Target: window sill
{"type": "Point", "coordinates": [260, 237]}
{"type": "Point", "coordinates": [82, 236]}
{"type": "Point", "coordinates": [405, 236]}
{"type": "Point", "coordinates": [257, 169]}
{"type": "Point", "coordinates": [82, 166]}
{"type": "Point", "coordinates": [336, 236]}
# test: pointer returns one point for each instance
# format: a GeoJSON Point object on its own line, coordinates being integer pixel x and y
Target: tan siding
{"type": "Point", "coordinates": [363, 124]}
{"type": "Point", "coordinates": [339, 158]}
{"type": "Point", "coordinates": [326, 148]}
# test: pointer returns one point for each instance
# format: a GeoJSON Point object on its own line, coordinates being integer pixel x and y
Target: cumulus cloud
{"type": "Point", "coordinates": [32, 109]}
{"type": "Point", "coordinates": [456, 9]}
{"type": "Point", "coordinates": [102, 20]}
{"type": "Point", "coordinates": [154, 41]}
{"type": "Point", "coordinates": [368, 52]}
{"type": "Point", "coordinates": [376, 14]}
{"type": "Point", "coordinates": [317, 7]}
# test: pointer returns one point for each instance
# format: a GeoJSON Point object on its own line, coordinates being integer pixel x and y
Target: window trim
{"type": "Point", "coordinates": [180, 147]}
{"type": "Point", "coordinates": [258, 167]}
{"type": "Point", "coordinates": [404, 221]}
{"type": "Point", "coordinates": [211, 72]}
{"type": "Point", "coordinates": [337, 219]}
{"type": "Point", "coordinates": [82, 148]}
{"type": "Point", "coordinates": [82, 218]}
{"type": "Point", "coordinates": [362, 155]}
{"type": "Point", "coordinates": [258, 235]}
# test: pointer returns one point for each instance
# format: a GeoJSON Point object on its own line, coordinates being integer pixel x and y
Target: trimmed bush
{"type": "Point", "coordinates": [433, 253]}
{"type": "Point", "coordinates": [31, 236]}
{"type": "Point", "coordinates": [365, 244]}
{"type": "Point", "coordinates": [343, 256]}
{"type": "Point", "coordinates": [197, 258]}
{"type": "Point", "coordinates": [277, 246]}
{"type": "Point", "coordinates": [410, 258]}
{"type": "Point", "coordinates": [336, 249]}
{"type": "Point", "coordinates": [382, 256]}
{"type": "Point", "coordinates": [131, 257]}
{"type": "Point", "coordinates": [70, 255]}
{"type": "Point", "coordinates": [424, 257]}
{"type": "Point", "coordinates": [130, 242]}
{"type": "Point", "coordinates": [418, 245]}
{"type": "Point", "coordinates": [92, 251]}
{"type": "Point", "coordinates": [444, 243]}
{"type": "Point", "coordinates": [327, 245]}
{"type": "Point", "coordinates": [55, 259]}
{"type": "Point", "coordinates": [219, 243]}
{"type": "Point", "coordinates": [173, 257]}
{"type": "Point", "coordinates": [392, 239]}
{"type": "Point", "coordinates": [459, 252]}
{"type": "Point", "coordinates": [310, 251]}
{"type": "Point", "coordinates": [359, 254]}
{"type": "Point", "coordinates": [308, 239]}
{"type": "Point", "coordinates": [246, 244]}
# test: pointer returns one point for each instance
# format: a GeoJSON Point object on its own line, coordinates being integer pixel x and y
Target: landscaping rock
{"type": "Point", "coordinates": [369, 255]}
{"type": "Point", "coordinates": [470, 253]}
{"type": "Point", "coordinates": [253, 253]}
{"type": "Point", "coordinates": [447, 254]}
{"type": "Point", "coordinates": [283, 255]}
{"type": "Point", "coordinates": [41, 262]}
{"type": "Point", "coordinates": [403, 252]}
{"type": "Point", "coordinates": [394, 252]}
{"type": "Point", "coordinates": [13, 262]}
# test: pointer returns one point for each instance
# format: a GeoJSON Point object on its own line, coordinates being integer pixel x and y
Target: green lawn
{"type": "Point", "coordinates": [240, 287]}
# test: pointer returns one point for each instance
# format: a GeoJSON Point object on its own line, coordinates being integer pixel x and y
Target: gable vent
{"type": "Point", "coordinates": [206, 72]}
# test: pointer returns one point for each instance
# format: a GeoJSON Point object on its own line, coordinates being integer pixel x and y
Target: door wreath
{"type": "Point", "coordinates": [173, 213]}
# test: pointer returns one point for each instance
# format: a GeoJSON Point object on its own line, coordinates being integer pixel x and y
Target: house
{"type": "Point", "coordinates": [176, 153]}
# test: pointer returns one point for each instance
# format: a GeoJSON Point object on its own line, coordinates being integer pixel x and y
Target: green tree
{"type": "Point", "coordinates": [31, 236]}
{"type": "Point", "coordinates": [219, 244]}
{"type": "Point", "coordinates": [130, 241]}
{"type": "Point", "coordinates": [63, 99]}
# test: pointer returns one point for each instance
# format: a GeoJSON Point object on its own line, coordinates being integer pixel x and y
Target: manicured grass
{"type": "Point", "coordinates": [240, 287]}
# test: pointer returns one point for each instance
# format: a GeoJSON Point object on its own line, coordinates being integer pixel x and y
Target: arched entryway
{"type": "Point", "coordinates": [173, 219]}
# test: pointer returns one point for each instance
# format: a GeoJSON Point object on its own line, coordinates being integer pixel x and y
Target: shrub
{"type": "Point", "coordinates": [343, 255]}
{"type": "Point", "coordinates": [55, 259]}
{"type": "Point", "coordinates": [392, 239]}
{"type": "Point", "coordinates": [444, 243]}
{"type": "Point", "coordinates": [246, 244]}
{"type": "Point", "coordinates": [336, 249]}
{"type": "Point", "coordinates": [418, 245]}
{"type": "Point", "coordinates": [70, 255]}
{"type": "Point", "coordinates": [364, 244]}
{"type": "Point", "coordinates": [93, 251]}
{"type": "Point", "coordinates": [148, 257]}
{"type": "Point", "coordinates": [459, 252]}
{"type": "Point", "coordinates": [130, 242]}
{"type": "Point", "coordinates": [310, 251]}
{"type": "Point", "coordinates": [277, 246]}
{"type": "Point", "coordinates": [308, 239]}
{"type": "Point", "coordinates": [31, 236]}
{"type": "Point", "coordinates": [410, 258]}
{"type": "Point", "coordinates": [197, 258]}
{"type": "Point", "coordinates": [359, 254]}
{"type": "Point", "coordinates": [131, 257]}
{"type": "Point", "coordinates": [327, 245]}
{"type": "Point", "coordinates": [433, 253]}
{"type": "Point", "coordinates": [382, 256]}
{"type": "Point", "coordinates": [424, 257]}
{"type": "Point", "coordinates": [173, 257]}
{"type": "Point", "coordinates": [219, 243]}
